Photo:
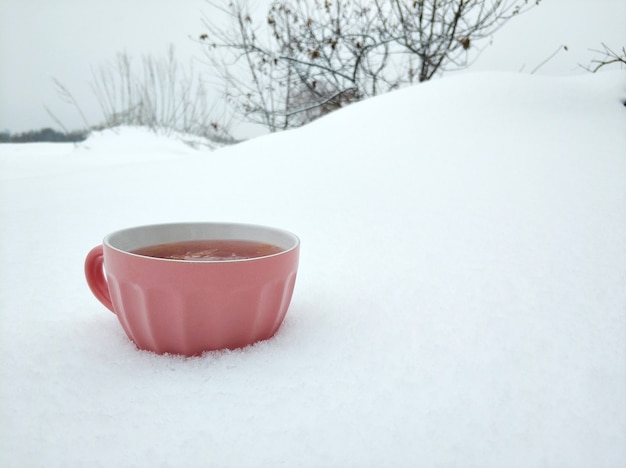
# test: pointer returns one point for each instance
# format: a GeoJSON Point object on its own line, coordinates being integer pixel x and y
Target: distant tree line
{"type": "Point", "coordinates": [43, 135]}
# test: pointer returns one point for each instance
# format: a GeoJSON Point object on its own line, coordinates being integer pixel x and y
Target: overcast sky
{"type": "Point", "coordinates": [66, 39]}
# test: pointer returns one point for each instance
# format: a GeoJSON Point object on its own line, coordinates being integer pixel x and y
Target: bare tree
{"type": "Point", "coordinates": [309, 57]}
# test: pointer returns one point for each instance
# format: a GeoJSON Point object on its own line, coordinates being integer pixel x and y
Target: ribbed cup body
{"type": "Point", "coordinates": [188, 307]}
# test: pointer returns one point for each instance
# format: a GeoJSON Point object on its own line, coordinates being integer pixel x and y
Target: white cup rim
{"type": "Point", "coordinates": [132, 238]}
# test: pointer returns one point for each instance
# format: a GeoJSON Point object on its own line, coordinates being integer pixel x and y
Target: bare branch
{"type": "Point", "coordinates": [609, 57]}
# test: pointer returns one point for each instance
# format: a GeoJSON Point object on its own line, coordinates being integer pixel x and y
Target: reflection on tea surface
{"type": "Point", "coordinates": [209, 250]}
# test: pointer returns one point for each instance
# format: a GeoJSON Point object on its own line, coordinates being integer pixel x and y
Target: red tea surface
{"type": "Point", "coordinates": [209, 250]}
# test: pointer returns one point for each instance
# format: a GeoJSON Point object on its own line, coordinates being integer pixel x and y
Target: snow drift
{"type": "Point", "coordinates": [460, 299]}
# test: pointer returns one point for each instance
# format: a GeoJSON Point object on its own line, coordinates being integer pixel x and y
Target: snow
{"type": "Point", "coordinates": [460, 301]}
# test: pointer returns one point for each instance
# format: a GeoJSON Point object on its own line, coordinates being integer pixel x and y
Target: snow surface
{"type": "Point", "coordinates": [460, 302]}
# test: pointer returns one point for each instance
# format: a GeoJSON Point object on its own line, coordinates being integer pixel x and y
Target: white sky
{"type": "Point", "coordinates": [66, 39]}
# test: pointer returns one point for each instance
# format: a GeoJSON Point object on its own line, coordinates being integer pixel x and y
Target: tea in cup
{"type": "Point", "coordinates": [187, 288]}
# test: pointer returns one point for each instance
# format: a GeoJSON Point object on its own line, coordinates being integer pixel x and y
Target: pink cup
{"type": "Point", "coordinates": [188, 306]}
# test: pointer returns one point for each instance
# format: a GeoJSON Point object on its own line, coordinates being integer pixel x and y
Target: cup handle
{"type": "Point", "coordinates": [94, 272]}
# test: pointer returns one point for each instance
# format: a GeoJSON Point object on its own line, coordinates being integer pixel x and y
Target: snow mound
{"type": "Point", "coordinates": [119, 146]}
{"type": "Point", "coordinates": [127, 138]}
{"type": "Point", "coordinates": [460, 299]}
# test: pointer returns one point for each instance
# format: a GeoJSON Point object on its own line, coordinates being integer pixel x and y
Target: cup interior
{"type": "Point", "coordinates": [134, 238]}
